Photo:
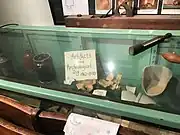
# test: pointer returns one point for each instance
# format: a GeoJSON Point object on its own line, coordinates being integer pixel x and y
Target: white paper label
{"type": "Point", "coordinates": [100, 92]}
{"type": "Point", "coordinates": [131, 89]}
{"type": "Point", "coordinates": [80, 65]}
{"type": "Point", "coordinates": [83, 125]}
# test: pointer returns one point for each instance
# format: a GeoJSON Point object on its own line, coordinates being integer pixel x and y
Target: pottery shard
{"type": "Point", "coordinates": [64, 110]}
{"type": "Point", "coordinates": [89, 87]}
{"type": "Point", "coordinates": [110, 77]}
{"type": "Point", "coordinates": [104, 117]}
{"type": "Point", "coordinates": [104, 83]}
{"type": "Point", "coordinates": [53, 109]}
{"type": "Point", "coordinates": [80, 86]}
{"type": "Point", "coordinates": [89, 82]}
{"type": "Point", "coordinates": [118, 78]}
{"type": "Point", "coordinates": [94, 81]}
{"type": "Point", "coordinates": [156, 90]}
{"type": "Point", "coordinates": [114, 86]}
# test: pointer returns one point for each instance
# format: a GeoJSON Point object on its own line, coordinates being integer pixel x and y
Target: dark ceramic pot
{"type": "Point", "coordinates": [44, 67]}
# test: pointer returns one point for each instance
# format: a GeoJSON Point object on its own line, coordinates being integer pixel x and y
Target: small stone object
{"type": "Point", "coordinates": [89, 87]}
{"type": "Point", "coordinates": [94, 81]}
{"type": "Point", "coordinates": [110, 77]}
{"type": "Point", "coordinates": [79, 15]}
{"type": "Point", "coordinates": [53, 109]}
{"type": "Point", "coordinates": [114, 86]}
{"type": "Point", "coordinates": [86, 85]}
{"type": "Point", "coordinates": [104, 117]}
{"type": "Point", "coordinates": [64, 110]}
{"type": "Point", "coordinates": [80, 86]}
{"type": "Point", "coordinates": [125, 123]}
{"type": "Point", "coordinates": [110, 81]}
{"type": "Point", "coordinates": [104, 83]}
{"type": "Point", "coordinates": [118, 78]}
{"type": "Point", "coordinates": [109, 118]}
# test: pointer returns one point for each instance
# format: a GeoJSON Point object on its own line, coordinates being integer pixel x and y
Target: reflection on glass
{"type": "Point", "coordinates": [5, 66]}
{"type": "Point", "coordinates": [28, 60]}
{"type": "Point", "coordinates": [110, 66]}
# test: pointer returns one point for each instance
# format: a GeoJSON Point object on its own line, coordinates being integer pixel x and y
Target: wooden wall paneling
{"type": "Point", "coordinates": [17, 113]}
{"type": "Point", "coordinates": [51, 123]}
{"type": "Point", "coordinates": [7, 128]}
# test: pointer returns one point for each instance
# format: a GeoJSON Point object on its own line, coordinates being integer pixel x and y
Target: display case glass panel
{"type": "Point", "coordinates": [94, 63]}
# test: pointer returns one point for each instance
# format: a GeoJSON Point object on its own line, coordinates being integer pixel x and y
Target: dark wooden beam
{"type": "Point", "coordinates": [155, 22]}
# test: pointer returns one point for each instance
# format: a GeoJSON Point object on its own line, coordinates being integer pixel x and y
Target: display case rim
{"type": "Point", "coordinates": [110, 107]}
{"type": "Point", "coordinates": [95, 30]}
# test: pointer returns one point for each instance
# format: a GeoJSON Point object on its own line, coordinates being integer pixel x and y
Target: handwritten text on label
{"type": "Point", "coordinates": [80, 65]}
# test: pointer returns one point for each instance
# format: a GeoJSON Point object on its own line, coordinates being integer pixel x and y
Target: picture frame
{"type": "Point", "coordinates": [148, 6]}
{"type": "Point", "coordinates": [75, 7]}
{"type": "Point", "coordinates": [122, 10]}
{"type": "Point", "coordinates": [170, 7]}
{"type": "Point", "coordinates": [103, 6]}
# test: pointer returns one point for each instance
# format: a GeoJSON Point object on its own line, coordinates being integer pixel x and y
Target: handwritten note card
{"type": "Point", "coordinates": [83, 125]}
{"type": "Point", "coordinates": [80, 65]}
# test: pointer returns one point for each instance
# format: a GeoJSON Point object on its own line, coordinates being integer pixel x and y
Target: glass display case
{"type": "Point", "coordinates": [94, 68]}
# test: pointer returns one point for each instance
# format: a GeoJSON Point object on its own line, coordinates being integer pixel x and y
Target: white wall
{"type": "Point", "coordinates": [25, 12]}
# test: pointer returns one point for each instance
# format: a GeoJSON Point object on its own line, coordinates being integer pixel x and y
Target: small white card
{"type": "Point", "coordinates": [74, 7]}
{"type": "Point", "coordinates": [80, 65]}
{"type": "Point", "coordinates": [83, 125]}
{"type": "Point", "coordinates": [100, 92]}
{"type": "Point", "coordinates": [131, 89]}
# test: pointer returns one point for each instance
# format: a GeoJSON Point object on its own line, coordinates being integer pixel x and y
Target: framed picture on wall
{"type": "Point", "coordinates": [75, 7]}
{"type": "Point", "coordinates": [148, 6]}
{"type": "Point", "coordinates": [102, 6]}
{"type": "Point", "coordinates": [122, 10]}
{"type": "Point", "coordinates": [171, 7]}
